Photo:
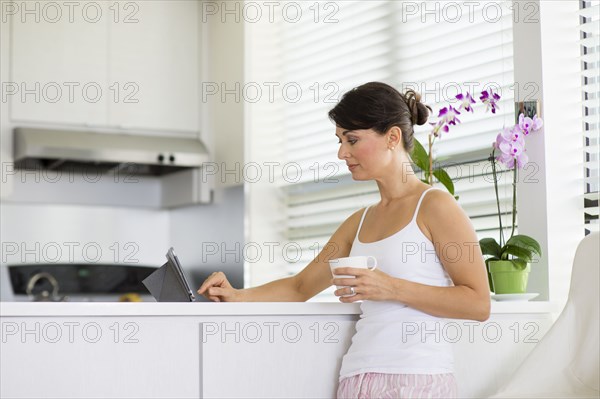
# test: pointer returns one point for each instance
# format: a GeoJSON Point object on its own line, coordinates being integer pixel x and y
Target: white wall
{"type": "Point", "coordinates": [44, 233]}
{"type": "Point", "coordinates": [211, 238]}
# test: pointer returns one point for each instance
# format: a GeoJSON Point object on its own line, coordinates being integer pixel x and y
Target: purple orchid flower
{"type": "Point", "coordinates": [537, 123]}
{"type": "Point", "coordinates": [511, 143]}
{"type": "Point", "coordinates": [525, 123]}
{"type": "Point", "coordinates": [508, 135]}
{"type": "Point", "coordinates": [437, 127]}
{"type": "Point", "coordinates": [529, 125]}
{"type": "Point", "coordinates": [448, 115]}
{"type": "Point", "coordinates": [465, 101]}
{"type": "Point", "coordinates": [509, 160]}
{"type": "Point", "coordinates": [490, 99]}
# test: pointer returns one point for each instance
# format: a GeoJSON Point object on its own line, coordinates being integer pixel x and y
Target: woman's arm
{"type": "Point", "coordinates": [313, 279]}
{"type": "Point", "coordinates": [458, 249]}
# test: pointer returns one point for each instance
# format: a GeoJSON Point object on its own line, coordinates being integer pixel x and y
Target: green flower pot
{"type": "Point", "coordinates": [507, 278]}
{"type": "Point", "coordinates": [490, 282]}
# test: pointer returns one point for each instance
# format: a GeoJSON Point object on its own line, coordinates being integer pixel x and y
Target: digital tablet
{"type": "Point", "coordinates": [168, 283]}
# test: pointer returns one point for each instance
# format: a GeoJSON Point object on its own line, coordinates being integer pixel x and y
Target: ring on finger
{"type": "Point", "coordinates": [352, 291]}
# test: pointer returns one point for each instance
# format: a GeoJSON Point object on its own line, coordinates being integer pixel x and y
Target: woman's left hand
{"type": "Point", "coordinates": [373, 285]}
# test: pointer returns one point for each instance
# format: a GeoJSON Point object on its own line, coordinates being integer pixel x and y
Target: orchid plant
{"type": "Point", "coordinates": [508, 150]}
{"type": "Point", "coordinates": [510, 145]}
{"type": "Point", "coordinates": [448, 116]}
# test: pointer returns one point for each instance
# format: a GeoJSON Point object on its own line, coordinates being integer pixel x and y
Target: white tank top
{"type": "Point", "coordinates": [391, 337]}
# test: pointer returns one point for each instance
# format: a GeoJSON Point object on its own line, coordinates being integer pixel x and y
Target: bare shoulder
{"type": "Point", "coordinates": [436, 201]}
{"type": "Point", "coordinates": [443, 216]}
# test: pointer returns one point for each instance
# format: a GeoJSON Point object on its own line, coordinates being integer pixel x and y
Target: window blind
{"type": "Point", "coordinates": [435, 54]}
{"type": "Point", "coordinates": [590, 65]}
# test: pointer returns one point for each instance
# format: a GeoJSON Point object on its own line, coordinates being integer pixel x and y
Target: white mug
{"type": "Point", "coordinates": [361, 262]}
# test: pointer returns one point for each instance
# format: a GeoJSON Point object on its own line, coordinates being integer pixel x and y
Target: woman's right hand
{"type": "Point", "coordinates": [217, 288]}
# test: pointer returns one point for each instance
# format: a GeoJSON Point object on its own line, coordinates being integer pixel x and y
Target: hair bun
{"type": "Point", "coordinates": [419, 111]}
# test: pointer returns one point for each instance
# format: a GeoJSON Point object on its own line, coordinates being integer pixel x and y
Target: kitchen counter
{"type": "Point", "coordinates": [175, 309]}
{"type": "Point", "coordinates": [192, 350]}
{"type": "Point", "coordinates": [206, 308]}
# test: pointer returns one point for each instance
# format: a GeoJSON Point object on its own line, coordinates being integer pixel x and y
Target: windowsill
{"type": "Point", "coordinates": [524, 307]}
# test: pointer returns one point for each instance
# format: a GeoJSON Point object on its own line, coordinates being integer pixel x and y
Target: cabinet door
{"type": "Point", "coordinates": [154, 58]}
{"type": "Point", "coordinates": [58, 62]}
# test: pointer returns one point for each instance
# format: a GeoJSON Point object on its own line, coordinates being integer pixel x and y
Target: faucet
{"type": "Point", "coordinates": [44, 296]}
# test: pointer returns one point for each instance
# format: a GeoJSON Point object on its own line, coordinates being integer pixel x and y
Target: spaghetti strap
{"type": "Point", "coordinates": [414, 218]}
{"type": "Point", "coordinates": [361, 221]}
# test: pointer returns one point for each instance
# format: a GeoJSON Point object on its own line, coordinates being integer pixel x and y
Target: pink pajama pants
{"type": "Point", "coordinates": [378, 385]}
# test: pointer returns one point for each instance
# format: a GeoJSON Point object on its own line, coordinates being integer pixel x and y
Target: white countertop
{"type": "Point", "coordinates": [16, 309]}
{"type": "Point", "coordinates": [173, 309]}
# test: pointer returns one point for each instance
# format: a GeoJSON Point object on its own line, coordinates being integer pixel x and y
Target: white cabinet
{"type": "Point", "coordinates": [229, 350]}
{"type": "Point", "coordinates": [173, 350]}
{"type": "Point", "coordinates": [154, 66]}
{"type": "Point", "coordinates": [126, 65]}
{"type": "Point", "coordinates": [58, 67]}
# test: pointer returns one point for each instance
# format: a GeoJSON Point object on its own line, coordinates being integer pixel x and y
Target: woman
{"type": "Point", "coordinates": [430, 266]}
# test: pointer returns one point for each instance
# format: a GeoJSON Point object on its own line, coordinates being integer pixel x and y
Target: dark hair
{"type": "Point", "coordinates": [379, 106]}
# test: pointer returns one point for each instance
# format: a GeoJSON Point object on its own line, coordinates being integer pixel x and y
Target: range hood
{"type": "Point", "coordinates": [83, 150]}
